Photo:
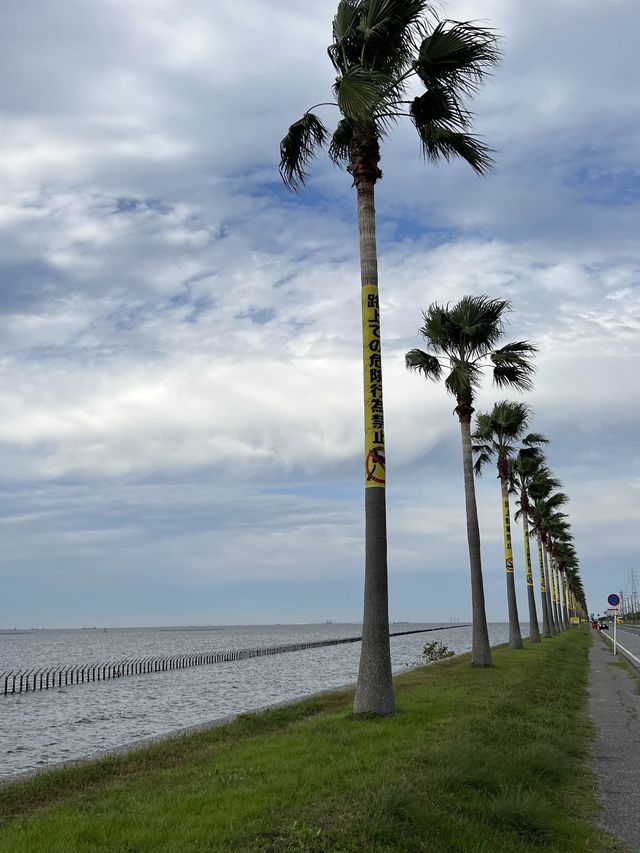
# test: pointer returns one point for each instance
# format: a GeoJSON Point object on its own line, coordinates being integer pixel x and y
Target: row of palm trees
{"type": "Point", "coordinates": [523, 471]}
{"type": "Point", "coordinates": [461, 344]}
{"type": "Point", "coordinates": [396, 60]}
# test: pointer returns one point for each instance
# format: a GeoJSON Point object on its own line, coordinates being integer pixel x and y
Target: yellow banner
{"type": "Point", "coordinates": [543, 586]}
{"type": "Point", "coordinates": [374, 455]}
{"type": "Point", "coordinates": [506, 524]}
{"type": "Point", "coordinates": [554, 596]}
{"type": "Point", "coordinates": [527, 559]}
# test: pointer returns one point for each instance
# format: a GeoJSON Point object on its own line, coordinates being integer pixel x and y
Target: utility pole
{"type": "Point", "coordinates": [633, 594]}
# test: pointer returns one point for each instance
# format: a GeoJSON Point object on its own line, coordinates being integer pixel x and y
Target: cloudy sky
{"type": "Point", "coordinates": [180, 398]}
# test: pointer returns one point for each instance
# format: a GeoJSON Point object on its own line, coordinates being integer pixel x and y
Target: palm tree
{"type": "Point", "coordinates": [379, 49]}
{"type": "Point", "coordinates": [497, 434]}
{"type": "Point", "coordinates": [463, 341]}
{"type": "Point", "coordinates": [521, 470]}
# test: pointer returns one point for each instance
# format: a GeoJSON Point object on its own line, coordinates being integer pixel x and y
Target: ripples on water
{"type": "Point", "coordinates": [42, 728]}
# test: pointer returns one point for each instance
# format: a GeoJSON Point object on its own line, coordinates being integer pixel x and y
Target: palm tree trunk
{"type": "Point", "coordinates": [515, 635]}
{"type": "Point", "coordinates": [552, 621]}
{"type": "Point", "coordinates": [534, 628]}
{"type": "Point", "coordinates": [480, 648]}
{"type": "Point", "coordinates": [374, 691]}
{"type": "Point", "coordinates": [546, 621]}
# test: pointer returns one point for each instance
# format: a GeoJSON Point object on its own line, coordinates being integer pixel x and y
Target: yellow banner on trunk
{"type": "Point", "coordinates": [506, 523]}
{"type": "Point", "coordinates": [527, 559]}
{"type": "Point", "coordinates": [543, 586]}
{"type": "Point", "coordinates": [374, 455]}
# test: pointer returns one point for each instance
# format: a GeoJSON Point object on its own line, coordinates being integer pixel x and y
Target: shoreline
{"type": "Point", "coordinates": [185, 731]}
{"type": "Point", "coordinates": [475, 758]}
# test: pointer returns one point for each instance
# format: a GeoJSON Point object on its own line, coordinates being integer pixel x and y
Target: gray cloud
{"type": "Point", "coordinates": [179, 373]}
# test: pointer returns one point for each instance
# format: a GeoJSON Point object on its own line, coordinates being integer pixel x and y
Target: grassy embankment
{"type": "Point", "coordinates": [475, 761]}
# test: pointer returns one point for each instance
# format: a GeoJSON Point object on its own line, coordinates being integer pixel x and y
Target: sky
{"type": "Point", "coordinates": [180, 379]}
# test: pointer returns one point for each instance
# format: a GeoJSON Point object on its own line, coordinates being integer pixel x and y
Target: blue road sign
{"type": "Point", "coordinates": [613, 599]}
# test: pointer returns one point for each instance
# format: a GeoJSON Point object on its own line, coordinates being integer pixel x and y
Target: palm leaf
{"type": "Point", "coordinates": [477, 324]}
{"type": "Point", "coordinates": [484, 455]}
{"type": "Point", "coordinates": [433, 329]}
{"type": "Point", "coordinates": [299, 147]}
{"type": "Point", "coordinates": [513, 366]}
{"type": "Point", "coordinates": [359, 92]}
{"type": "Point", "coordinates": [534, 438]}
{"type": "Point", "coordinates": [340, 146]}
{"type": "Point", "coordinates": [457, 54]}
{"type": "Point", "coordinates": [438, 106]}
{"type": "Point", "coordinates": [438, 140]}
{"type": "Point", "coordinates": [424, 363]}
{"type": "Point", "coordinates": [389, 29]}
{"type": "Point", "coordinates": [344, 31]}
{"type": "Point", "coordinates": [463, 380]}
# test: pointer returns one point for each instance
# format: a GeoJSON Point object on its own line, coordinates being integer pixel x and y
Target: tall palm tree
{"type": "Point", "coordinates": [462, 340]}
{"type": "Point", "coordinates": [379, 49]}
{"type": "Point", "coordinates": [521, 470]}
{"type": "Point", "coordinates": [497, 435]}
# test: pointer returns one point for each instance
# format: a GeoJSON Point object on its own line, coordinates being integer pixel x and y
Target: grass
{"type": "Point", "coordinates": [475, 761]}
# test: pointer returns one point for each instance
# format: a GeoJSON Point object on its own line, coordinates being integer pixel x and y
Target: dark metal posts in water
{"type": "Point", "coordinates": [23, 681]}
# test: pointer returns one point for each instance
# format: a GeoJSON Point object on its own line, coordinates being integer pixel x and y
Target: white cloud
{"type": "Point", "coordinates": [170, 317]}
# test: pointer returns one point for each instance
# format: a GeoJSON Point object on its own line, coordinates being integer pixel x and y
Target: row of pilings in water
{"type": "Point", "coordinates": [45, 678]}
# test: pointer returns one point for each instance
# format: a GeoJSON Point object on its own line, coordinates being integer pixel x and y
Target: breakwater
{"type": "Point", "coordinates": [45, 678]}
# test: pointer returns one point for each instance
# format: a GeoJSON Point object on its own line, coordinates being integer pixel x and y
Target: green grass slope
{"type": "Point", "coordinates": [475, 761]}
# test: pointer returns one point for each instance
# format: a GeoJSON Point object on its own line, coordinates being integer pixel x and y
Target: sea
{"type": "Point", "coordinates": [52, 727]}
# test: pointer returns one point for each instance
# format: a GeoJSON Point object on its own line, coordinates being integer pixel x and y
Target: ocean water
{"type": "Point", "coordinates": [68, 723]}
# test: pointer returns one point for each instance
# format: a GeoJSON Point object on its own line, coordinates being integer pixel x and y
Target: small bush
{"type": "Point", "coordinates": [436, 651]}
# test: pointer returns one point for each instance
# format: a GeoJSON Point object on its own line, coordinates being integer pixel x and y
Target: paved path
{"type": "Point", "coordinates": [615, 709]}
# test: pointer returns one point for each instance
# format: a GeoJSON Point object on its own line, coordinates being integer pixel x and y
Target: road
{"type": "Point", "coordinates": [628, 638]}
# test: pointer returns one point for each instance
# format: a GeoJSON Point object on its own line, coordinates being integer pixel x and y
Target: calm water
{"type": "Point", "coordinates": [42, 728]}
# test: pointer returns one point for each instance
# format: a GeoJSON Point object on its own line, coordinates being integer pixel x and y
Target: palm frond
{"type": "Point", "coordinates": [344, 29]}
{"type": "Point", "coordinates": [438, 106]}
{"type": "Point", "coordinates": [360, 91]}
{"type": "Point", "coordinates": [340, 145]}
{"type": "Point", "coordinates": [483, 457]}
{"type": "Point", "coordinates": [510, 418]}
{"type": "Point", "coordinates": [424, 363]}
{"type": "Point", "coordinates": [433, 329]}
{"type": "Point", "coordinates": [457, 54]}
{"type": "Point", "coordinates": [533, 439]}
{"type": "Point", "coordinates": [463, 380]}
{"type": "Point", "coordinates": [377, 34]}
{"type": "Point", "coordinates": [439, 141]}
{"type": "Point", "coordinates": [299, 147]}
{"type": "Point", "coordinates": [513, 366]}
{"type": "Point", "coordinates": [389, 31]}
{"type": "Point", "coordinates": [483, 429]}
{"type": "Point", "coordinates": [478, 324]}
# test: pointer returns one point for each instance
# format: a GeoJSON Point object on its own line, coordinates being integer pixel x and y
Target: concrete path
{"type": "Point", "coordinates": [615, 709]}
